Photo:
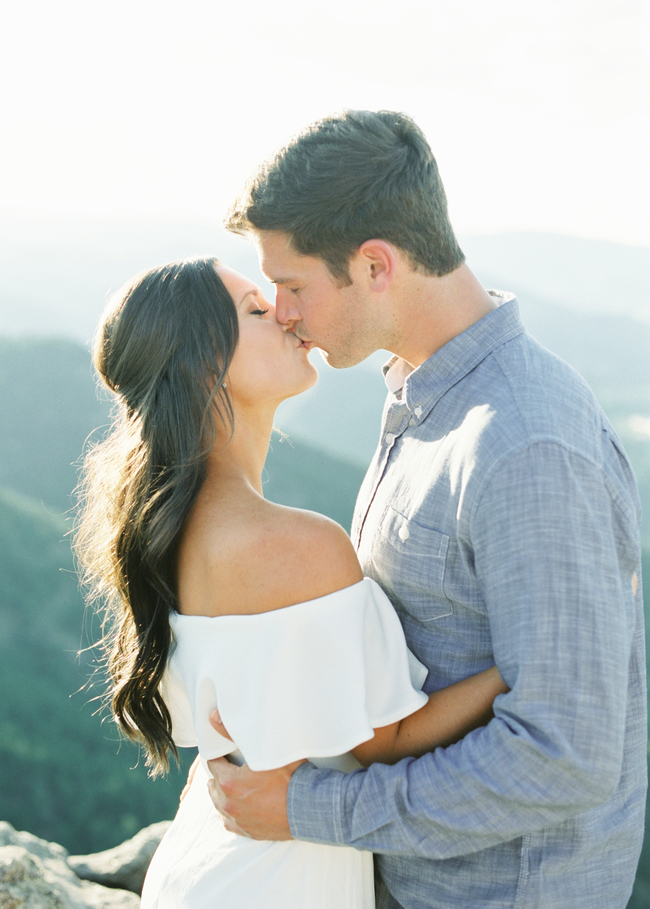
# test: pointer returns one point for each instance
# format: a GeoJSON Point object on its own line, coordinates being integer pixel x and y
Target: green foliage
{"type": "Point", "coordinates": [300, 475]}
{"type": "Point", "coordinates": [48, 406]}
{"type": "Point", "coordinates": [66, 776]}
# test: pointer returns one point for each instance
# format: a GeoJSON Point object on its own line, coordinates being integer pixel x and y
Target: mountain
{"type": "Point", "coordinates": [587, 300]}
{"type": "Point", "coordinates": [589, 276]}
{"type": "Point", "coordinates": [58, 273]}
{"type": "Point", "coordinates": [65, 775]}
{"type": "Point", "coordinates": [48, 407]}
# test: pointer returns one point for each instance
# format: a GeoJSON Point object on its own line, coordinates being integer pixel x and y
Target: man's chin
{"type": "Point", "coordinates": [333, 360]}
{"type": "Point", "coordinates": [340, 361]}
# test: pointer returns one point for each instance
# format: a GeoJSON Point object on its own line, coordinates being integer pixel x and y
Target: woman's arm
{"type": "Point", "coordinates": [448, 716]}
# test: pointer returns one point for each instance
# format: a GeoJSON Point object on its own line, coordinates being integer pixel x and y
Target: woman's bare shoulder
{"type": "Point", "coordinates": [274, 557]}
{"type": "Point", "coordinates": [307, 556]}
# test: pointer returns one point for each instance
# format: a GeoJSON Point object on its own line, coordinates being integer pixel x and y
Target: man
{"type": "Point", "coordinates": [499, 514]}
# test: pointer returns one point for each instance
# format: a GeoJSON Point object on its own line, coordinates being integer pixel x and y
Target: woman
{"type": "Point", "coordinates": [219, 599]}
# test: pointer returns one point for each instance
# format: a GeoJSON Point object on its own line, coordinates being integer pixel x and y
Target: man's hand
{"type": "Point", "coordinates": [253, 804]}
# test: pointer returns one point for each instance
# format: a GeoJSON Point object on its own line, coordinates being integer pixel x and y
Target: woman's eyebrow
{"type": "Point", "coordinates": [251, 292]}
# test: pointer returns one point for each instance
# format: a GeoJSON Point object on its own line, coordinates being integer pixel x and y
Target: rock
{"type": "Point", "coordinates": [34, 874]}
{"type": "Point", "coordinates": [124, 866]}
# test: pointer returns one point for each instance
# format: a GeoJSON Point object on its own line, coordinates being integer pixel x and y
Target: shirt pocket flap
{"type": "Point", "coordinates": [411, 560]}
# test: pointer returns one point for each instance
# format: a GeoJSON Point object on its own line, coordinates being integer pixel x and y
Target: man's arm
{"type": "Point", "coordinates": [562, 617]}
{"type": "Point", "coordinates": [255, 803]}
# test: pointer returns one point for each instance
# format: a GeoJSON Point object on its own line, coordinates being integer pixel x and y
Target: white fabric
{"type": "Point", "coordinates": [311, 680]}
{"type": "Point", "coordinates": [199, 865]}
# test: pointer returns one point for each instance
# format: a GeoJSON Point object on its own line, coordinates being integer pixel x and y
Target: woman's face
{"type": "Point", "coordinates": [270, 363]}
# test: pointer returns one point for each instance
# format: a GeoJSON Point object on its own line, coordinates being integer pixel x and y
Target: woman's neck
{"type": "Point", "coordinates": [238, 460]}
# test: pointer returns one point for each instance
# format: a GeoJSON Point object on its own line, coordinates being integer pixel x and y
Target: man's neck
{"type": "Point", "coordinates": [434, 310]}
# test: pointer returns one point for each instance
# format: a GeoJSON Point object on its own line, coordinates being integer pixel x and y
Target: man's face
{"type": "Point", "coordinates": [336, 319]}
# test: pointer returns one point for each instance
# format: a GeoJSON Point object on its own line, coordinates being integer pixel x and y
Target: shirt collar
{"type": "Point", "coordinates": [422, 387]}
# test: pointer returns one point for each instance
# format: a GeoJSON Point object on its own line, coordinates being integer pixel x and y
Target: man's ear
{"type": "Point", "coordinates": [377, 260]}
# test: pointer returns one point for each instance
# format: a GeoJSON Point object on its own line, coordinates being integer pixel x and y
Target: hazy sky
{"type": "Point", "coordinates": [536, 111]}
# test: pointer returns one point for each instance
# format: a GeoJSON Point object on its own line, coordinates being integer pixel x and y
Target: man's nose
{"type": "Point", "coordinates": [286, 311]}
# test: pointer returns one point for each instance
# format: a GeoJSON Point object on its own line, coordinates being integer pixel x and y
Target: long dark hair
{"type": "Point", "coordinates": [164, 346]}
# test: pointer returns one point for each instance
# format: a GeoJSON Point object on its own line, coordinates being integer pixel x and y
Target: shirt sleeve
{"type": "Point", "coordinates": [562, 613]}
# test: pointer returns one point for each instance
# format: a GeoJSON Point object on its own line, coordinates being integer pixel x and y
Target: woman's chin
{"type": "Point", "coordinates": [310, 380]}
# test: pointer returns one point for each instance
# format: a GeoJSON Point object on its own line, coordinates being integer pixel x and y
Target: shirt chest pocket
{"type": "Point", "coordinates": [410, 560]}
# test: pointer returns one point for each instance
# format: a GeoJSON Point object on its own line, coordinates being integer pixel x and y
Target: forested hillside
{"type": "Point", "coordinates": [65, 776]}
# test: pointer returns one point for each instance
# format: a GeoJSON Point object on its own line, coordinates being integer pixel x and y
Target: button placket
{"type": "Point", "coordinates": [397, 420]}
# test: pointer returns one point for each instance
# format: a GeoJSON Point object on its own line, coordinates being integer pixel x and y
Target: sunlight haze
{"type": "Point", "coordinates": [537, 113]}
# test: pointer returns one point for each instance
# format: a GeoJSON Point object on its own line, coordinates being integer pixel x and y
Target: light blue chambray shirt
{"type": "Point", "coordinates": [501, 517]}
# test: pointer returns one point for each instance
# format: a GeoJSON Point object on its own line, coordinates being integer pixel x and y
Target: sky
{"type": "Point", "coordinates": [537, 111]}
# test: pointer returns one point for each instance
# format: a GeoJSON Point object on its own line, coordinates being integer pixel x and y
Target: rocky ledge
{"type": "Point", "coordinates": [35, 874]}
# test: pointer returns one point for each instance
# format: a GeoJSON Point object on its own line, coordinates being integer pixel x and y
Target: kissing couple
{"type": "Point", "coordinates": [460, 688]}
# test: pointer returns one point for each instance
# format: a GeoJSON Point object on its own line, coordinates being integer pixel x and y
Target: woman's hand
{"type": "Point", "coordinates": [215, 722]}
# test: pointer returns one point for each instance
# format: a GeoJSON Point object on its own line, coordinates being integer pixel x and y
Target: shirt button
{"type": "Point", "coordinates": [417, 411]}
{"type": "Point", "coordinates": [403, 533]}
{"type": "Point", "coordinates": [389, 438]}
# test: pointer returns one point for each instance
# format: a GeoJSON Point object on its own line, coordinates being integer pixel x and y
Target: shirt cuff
{"type": "Point", "coordinates": [314, 805]}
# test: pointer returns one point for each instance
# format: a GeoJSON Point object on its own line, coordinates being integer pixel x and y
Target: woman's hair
{"type": "Point", "coordinates": [349, 178]}
{"type": "Point", "coordinates": [164, 346]}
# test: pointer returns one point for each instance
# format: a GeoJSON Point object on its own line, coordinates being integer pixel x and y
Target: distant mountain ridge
{"type": "Point", "coordinates": [57, 274]}
{"type": "Point", "coordinates": [578, 297]}
{"type": "Point", "coordinates": [590, 276]}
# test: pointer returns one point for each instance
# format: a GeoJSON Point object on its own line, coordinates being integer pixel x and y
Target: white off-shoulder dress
{"type": "Point", "coordinates": [310, 680]}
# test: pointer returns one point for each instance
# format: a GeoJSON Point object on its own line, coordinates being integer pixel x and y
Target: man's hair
{"type": "Point", "coordinates": [349, 178]}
